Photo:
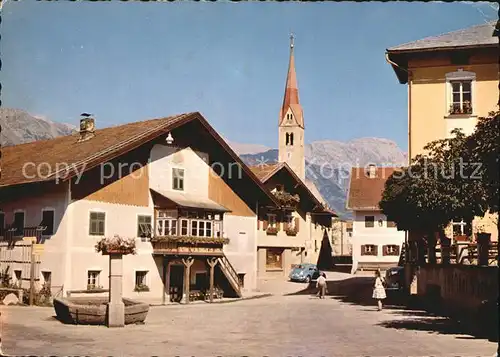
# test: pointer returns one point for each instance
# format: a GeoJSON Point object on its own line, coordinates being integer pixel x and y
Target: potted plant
{"type": "Point", "coordinates": [116, 245]}
{"type": "Point", "coordinates": [272, 231]}
{"type": "Point", "coordinates": [141, 287]}
{"type": "Point", "coordinates": [291, 231]}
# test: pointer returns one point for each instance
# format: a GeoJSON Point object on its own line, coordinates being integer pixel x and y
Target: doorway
{"type": "Point", "coordinates": [176, 287]}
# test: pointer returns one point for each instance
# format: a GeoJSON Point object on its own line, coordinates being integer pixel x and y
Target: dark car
{"type": "Point", "coordinates": [304, 273]}
{"type": "Point", "coordinates": [394, 278]}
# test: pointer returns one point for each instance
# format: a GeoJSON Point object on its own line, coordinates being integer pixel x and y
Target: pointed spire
{"type": "Point", "coordinates": [291, 89]}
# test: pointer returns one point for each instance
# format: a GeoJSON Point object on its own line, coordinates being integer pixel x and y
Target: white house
{"type": "Point", "coordinates": [376, 242]}
{"type": "Point", "coordinates": [171, 183]}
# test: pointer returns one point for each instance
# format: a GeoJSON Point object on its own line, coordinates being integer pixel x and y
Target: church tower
{"type": "Point", "coordinates": [291, 123]}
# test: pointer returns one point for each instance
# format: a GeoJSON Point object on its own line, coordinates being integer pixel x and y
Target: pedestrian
{"type": "Point", "coordinates": [321, 285]}
{"type": "Point", "coordinates": [379, 290]}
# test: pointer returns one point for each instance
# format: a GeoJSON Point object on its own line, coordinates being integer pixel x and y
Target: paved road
{"type": "Point", "coordinates": [297, 325]}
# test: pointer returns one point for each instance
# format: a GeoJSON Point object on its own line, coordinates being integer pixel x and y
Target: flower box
{"type": "Point", "coordinates": [291, 231]}
{"type": "Point", "coordinates": [190, 240]}
{"type": "Point", "coordinates": [140, 288]}
{"type": "Point", "coordinates": [461, 238]}
{"type": "Point", "coordinates": [116, 245]}
{"type": "Point", "coordinates": [272, 231]}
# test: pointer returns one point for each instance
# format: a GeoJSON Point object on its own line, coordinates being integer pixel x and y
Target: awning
{"type": "Point", "coordinates": [185, 200]}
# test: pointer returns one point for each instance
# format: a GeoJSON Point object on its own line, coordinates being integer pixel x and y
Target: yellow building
{"type": "Point", "coordinates": [452, 80]}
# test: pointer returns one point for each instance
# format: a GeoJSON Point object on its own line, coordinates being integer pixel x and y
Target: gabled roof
{"type": "Point", "coordinates": [365, 192]}
{"type": "Point", "coordinates": [267, 171]}
{"type": "Point", "coordinates": [64, 157]}
{"type": "Point", "coordinates": [474, 36]}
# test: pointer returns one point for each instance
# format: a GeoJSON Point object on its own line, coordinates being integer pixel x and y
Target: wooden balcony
{"type": "Point", "coordinates": [187, 245]}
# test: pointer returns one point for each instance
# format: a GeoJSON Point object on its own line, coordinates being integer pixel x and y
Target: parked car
{"type": "Point", "coordinates": [394, 278]}
{"type": "Point", "coordinates": [304, 273]}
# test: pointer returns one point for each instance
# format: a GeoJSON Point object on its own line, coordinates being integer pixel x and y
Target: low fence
{"type": "Point", "coordinates": [458, 288]}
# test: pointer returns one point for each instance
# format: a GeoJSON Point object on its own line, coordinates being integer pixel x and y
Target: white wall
{"type": "Point", "coordinates": [52, 257]}
{"type": "Point", "coordinates": [196, 169]}
{"type": "Point", "coordinates": [241, 250]}
{"type": "Point", "coordinates": [376, 235]}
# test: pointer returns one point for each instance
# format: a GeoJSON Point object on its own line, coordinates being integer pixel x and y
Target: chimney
{"type": "Point", "coordinates": [372, 171]}
{"type": "Point", "coordinates": [87, 127]}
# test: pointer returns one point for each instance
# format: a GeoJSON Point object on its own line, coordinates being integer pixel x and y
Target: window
{"type": "Point", "coordinates": [271, 219]}
{"type": "Point", "coordinates": [241, 279]}
{"type": "Point", "coordinates": [144, 227]}
{"type": "Point", "coordinates": [47, 277]}
{"type": "Point", "coordinates": [289, 221]}
{"type": "Point", "coordinates": [289, 117]}
{"type": "Point", "coordinates": [178, 179]}
{"type": "Point", "coordinates": [369, 249]}
{"type": "Point", "coordinates": [18, 274]}
{"type": "Point", "coordinates": [291, 139]}
{"type": "Point", "coordinates": [2, 223]}
{"type": "Point", "coordinates": [18, 223]}
{"type": "Point", "coordinates": [96, 224]}
{"type": "Point", "coordinates": [391, 224]}
{"type": "Point", "coordinates": [369, 221]}
{"type": "Point", "coordinates": [459, 228]}
{"type": "Point", "coordinates": [461, 92]}
{"type": "Point", "coordinates": [93, 279]}
{"type": "Point", "coordinates": [273, 258]}
{"type": "Point", "coordinates": [349, 231]}
{"type": "Point", "coordinates": [47, 222]}
{"type": "Point", "coordinates": [391, 249]}
{"type": "Point", "coordinates": [140, 278]}
{"type": "Point", "coordinates": [380, 222]}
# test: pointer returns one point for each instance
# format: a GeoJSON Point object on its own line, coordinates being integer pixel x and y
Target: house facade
{"type": "Point", "coordinates": [172, 184]}
{"type": "Point", "coordinates": [295, 232]}
{"type": "Point", "coordinates": [376, 242]}
{"type": "Point", "coordinates": [452, 80]}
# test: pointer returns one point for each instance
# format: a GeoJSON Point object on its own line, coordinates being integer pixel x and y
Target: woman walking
{"type": "Point", "coordinates": [378, 290]}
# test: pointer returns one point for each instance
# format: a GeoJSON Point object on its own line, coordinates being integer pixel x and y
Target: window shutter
{"type": "Point", "coordinates": [297, 220]}
{"type": "Point", "coordinates": [363, 250]}
{"type": "Point", "coordinates": [375, 250]}
{"type": "Point", "coordinates": [258, 223]}
{"type": "Point", "coordinates": [265, 224]}
{"type": "Point", "coordinates": [396, 252]}
{"type": "Point", "coordinates": [278, 224]}
{"type": "Point", "coordinates": [384, 250]}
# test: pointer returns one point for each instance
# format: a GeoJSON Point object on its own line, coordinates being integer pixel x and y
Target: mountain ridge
{"type": "Point", "coordinates": [328, 162]}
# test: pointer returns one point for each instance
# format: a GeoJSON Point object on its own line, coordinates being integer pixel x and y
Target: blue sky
{"type": "Point", "coordinates": [127, 61]}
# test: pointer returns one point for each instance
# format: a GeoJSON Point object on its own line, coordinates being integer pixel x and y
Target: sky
{"type": "Point", "coordinates": [132, 61]}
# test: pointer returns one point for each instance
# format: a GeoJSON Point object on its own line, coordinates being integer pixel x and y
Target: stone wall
{"type": "Point", "coordinates": [458, 288]}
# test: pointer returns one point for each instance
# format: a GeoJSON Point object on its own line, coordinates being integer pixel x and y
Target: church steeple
{"type": "Point", "coordinates": [291, 121]}
{"type": "Point", "coordinates": [291, 97]}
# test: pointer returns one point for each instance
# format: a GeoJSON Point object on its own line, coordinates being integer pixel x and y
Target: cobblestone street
{"type": "Point", "coordinates": [294, 325]}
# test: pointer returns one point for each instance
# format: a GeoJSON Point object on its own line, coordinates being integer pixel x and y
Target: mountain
{"type": "Point", "coordinates": [328, 164]}
{"type": "Point", "coordinates": [20, 127]}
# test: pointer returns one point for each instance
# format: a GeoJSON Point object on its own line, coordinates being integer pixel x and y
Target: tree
{"type": "Point", "coordinates": [484, 149]}
{"type": "Point", "coordinates": [435, 189]}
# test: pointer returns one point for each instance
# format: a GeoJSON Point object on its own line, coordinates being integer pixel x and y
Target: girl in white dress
{"type": "Point", "coordinates": [378, 290]}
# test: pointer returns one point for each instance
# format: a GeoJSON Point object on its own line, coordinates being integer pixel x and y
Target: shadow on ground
{"type": "Point", "coordinates": [409, 313]}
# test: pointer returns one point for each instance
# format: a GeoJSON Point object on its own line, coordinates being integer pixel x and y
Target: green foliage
{"type": "Point", "coordinates": [484, 148]}
{"type": "Point", "coordinates": [190, 240]}
{"type": "Point", "coordinates": [436, 188]}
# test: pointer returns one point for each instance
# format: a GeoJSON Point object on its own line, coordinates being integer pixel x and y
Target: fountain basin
{"type": "Point", "coordinates": [92, 310]}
